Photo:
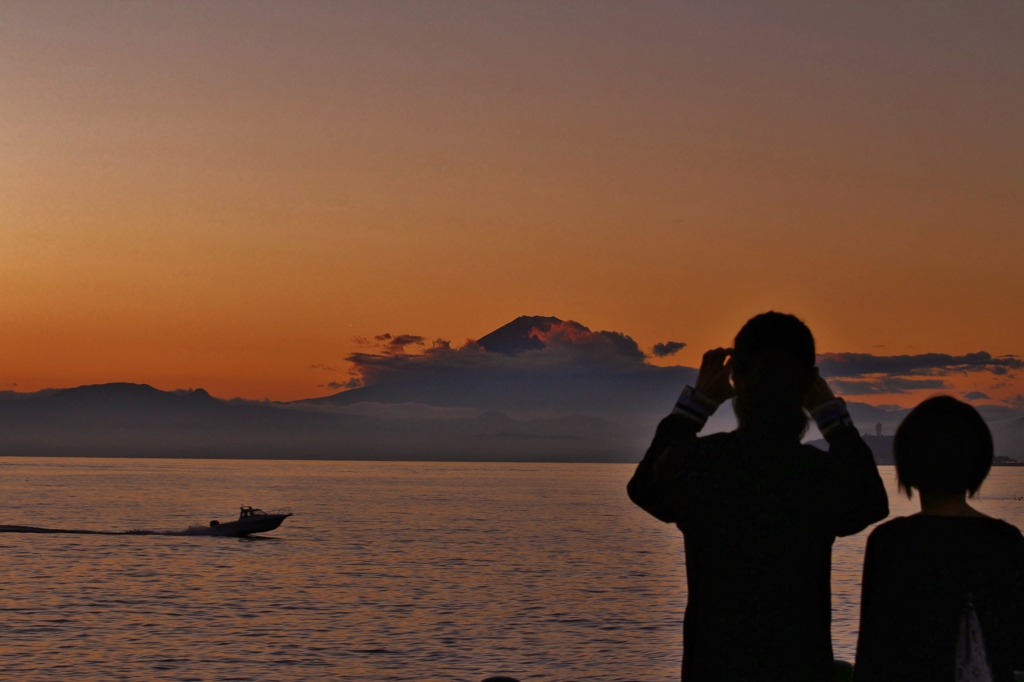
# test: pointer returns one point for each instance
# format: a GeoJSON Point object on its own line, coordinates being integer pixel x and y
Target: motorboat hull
{"type": "Point", "coordinates": [248, 525]}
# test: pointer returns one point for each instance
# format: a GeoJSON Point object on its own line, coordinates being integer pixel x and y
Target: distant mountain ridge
{"type": "Point", "coordinates": [134, 420]}
{"type": "Point", "coordinates": [139, 420]}
{"type": "Point", "coordinates": [536, 389]}
{"type": "Point", "coordinates": [126, 395]}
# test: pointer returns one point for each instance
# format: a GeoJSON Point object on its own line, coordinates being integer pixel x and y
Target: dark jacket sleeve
{"type": "Point", "coordinates": [655, 484]}
{"type": "Point", "coordinates": [858, 496]}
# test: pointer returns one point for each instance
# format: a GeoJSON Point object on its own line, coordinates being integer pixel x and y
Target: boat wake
{"type": "Point", "coordinates": [36, 529]}
{"type": "Point", "coordinates": [191, 530]}
{"type": "Point", "coordinates": [250, 520]}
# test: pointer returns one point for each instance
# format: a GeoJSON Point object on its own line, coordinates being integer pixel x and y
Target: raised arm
{"type": "Point", "coordinates": [857, 494]}
{"type": "Point", "coordinates": [655, 485]}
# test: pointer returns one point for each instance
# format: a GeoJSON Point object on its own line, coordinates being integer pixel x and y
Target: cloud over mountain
{"type": "Point", "coordinates": [532, 363]}
{"type": "Point", "coordinates": [537, 362]}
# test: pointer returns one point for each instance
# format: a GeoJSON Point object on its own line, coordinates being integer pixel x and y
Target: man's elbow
{"type": "Point", "coordinates": [874, 510]}
{"type": "Point", "coordinates": [880, 507]}
{"type": "Point", "coordinates": [643, 497]}
{"type": "Point", "coordinates": [639, 493]}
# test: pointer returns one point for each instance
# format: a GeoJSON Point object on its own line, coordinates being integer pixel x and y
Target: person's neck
{"type": "Point", "coordinates": [946, 505]}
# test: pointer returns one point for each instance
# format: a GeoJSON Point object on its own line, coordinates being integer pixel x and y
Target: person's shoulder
{"type": "Point", "coordinates": [918, 523]}
{"type": "Point", "coordinates": [897, 524]}
{"type": "Point", "coordinates": [715, 447]}
{"type": "Point", "coordinates": [1005, 530]}
{"type": "Point", "coordinates": [841, 439]}
{"type": "Point", "coordinates": [720, 438]}
{"type": "Point", "coordinates": [813, 450]}
{"type": "Point", "coordinates": [1006, 527]}
{"type": "Point", "coordinates": [892, 529]}
{"type": "Point", "coordinates": [1001, 540]}
{"type": "Point", "coordinates": [982, 525]}
{"type": "Point", "coordinates": [818, 458]}
{"type": "Point", "coordinates": [721, 442]}
{"type": "Point", "coordinates": [819, 451]}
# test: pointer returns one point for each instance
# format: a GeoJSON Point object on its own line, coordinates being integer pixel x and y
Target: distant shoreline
{"type": "Point", "coordinates": [573, 459]}
{"type": "Point", "coordinates": [545, 459]}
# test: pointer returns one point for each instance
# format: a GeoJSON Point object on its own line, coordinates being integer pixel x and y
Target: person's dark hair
{"type": "Point", "coordinates": [943, 447]}
{"type": "Point", "coordinates": [773, 366]}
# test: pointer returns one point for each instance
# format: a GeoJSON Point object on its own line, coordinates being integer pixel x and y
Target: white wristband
{"type": "Point", "coordinates": [831, 416]}
{"type": "Point", "coordinates": [695, 406]}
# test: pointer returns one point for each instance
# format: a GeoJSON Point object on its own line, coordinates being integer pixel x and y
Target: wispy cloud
{"type": "Point", "coordinates": [322, 366]}
{"type": "Point", "coordinates": [663, 350]}
{"type": "Point", "coordinates": [390, 344]}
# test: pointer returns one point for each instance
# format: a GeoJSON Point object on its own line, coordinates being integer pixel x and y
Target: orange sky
{"type": "Point", "coordinates": [223, 194]}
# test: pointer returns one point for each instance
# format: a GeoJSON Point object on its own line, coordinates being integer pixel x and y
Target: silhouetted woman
{"type": "Point", "coordinates": [759, 511]}
{"type": "Point", "coordinates": [943, 588]}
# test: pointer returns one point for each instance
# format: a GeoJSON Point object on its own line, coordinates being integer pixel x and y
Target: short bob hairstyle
{"type": "Point", "coordinates": [943, 447]}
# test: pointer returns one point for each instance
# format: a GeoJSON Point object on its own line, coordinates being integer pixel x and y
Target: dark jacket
{"type": "Point", "coordinates": [918, 572]}
{"type": "Point", "coordinates": [758, 520]}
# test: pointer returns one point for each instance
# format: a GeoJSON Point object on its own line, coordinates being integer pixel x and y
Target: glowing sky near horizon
{"type": "Point", "coordinates": [224, 194]}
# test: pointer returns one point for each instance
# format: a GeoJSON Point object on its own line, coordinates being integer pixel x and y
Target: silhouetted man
{"type": "Point", "coordinates": [759, 511]}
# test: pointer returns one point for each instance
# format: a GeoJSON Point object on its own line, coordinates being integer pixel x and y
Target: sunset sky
{"type": "Point", "coordinates": [226, 194]}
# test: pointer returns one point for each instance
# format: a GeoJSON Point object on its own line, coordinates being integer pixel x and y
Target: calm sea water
{"type": "Point", "coordinates": [387, 571]}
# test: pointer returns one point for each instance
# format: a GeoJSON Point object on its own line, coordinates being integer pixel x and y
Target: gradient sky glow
{"type": "Point", "coordinates": [223, 194]}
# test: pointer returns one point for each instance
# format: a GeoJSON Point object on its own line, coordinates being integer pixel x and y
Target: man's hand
{"type": "Point", "coordinates": [713, 379]}
{"type": "Point", "coordinates": [818, 394]}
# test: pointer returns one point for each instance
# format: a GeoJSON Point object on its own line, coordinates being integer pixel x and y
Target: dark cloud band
{"type": "Point", "coordinates": [852, 365]}
{"type": "Point", "coordinates": [886, 385]}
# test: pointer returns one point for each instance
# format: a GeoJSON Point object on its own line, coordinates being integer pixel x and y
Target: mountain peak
{"type": "Point", "coordinates": [514, 337]}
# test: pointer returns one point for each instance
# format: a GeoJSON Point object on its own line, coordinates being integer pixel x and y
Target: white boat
{"type": "Point", "coordinates": [250, 520]}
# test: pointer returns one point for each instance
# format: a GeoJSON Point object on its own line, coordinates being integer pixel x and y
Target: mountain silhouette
{"type": "Point", "coordinates": [127, 397]}
{"type": "Point", "coordinates": [517, 336]}
{"type": "Point", "coordinates": [125, 419]}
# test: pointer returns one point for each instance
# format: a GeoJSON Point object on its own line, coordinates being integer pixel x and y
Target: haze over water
{"type": "Point", "coordinates": [396, 571]}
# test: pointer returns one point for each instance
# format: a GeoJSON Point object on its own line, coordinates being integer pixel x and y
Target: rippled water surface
{"type": "Point", "coordinates": [387, 571]}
